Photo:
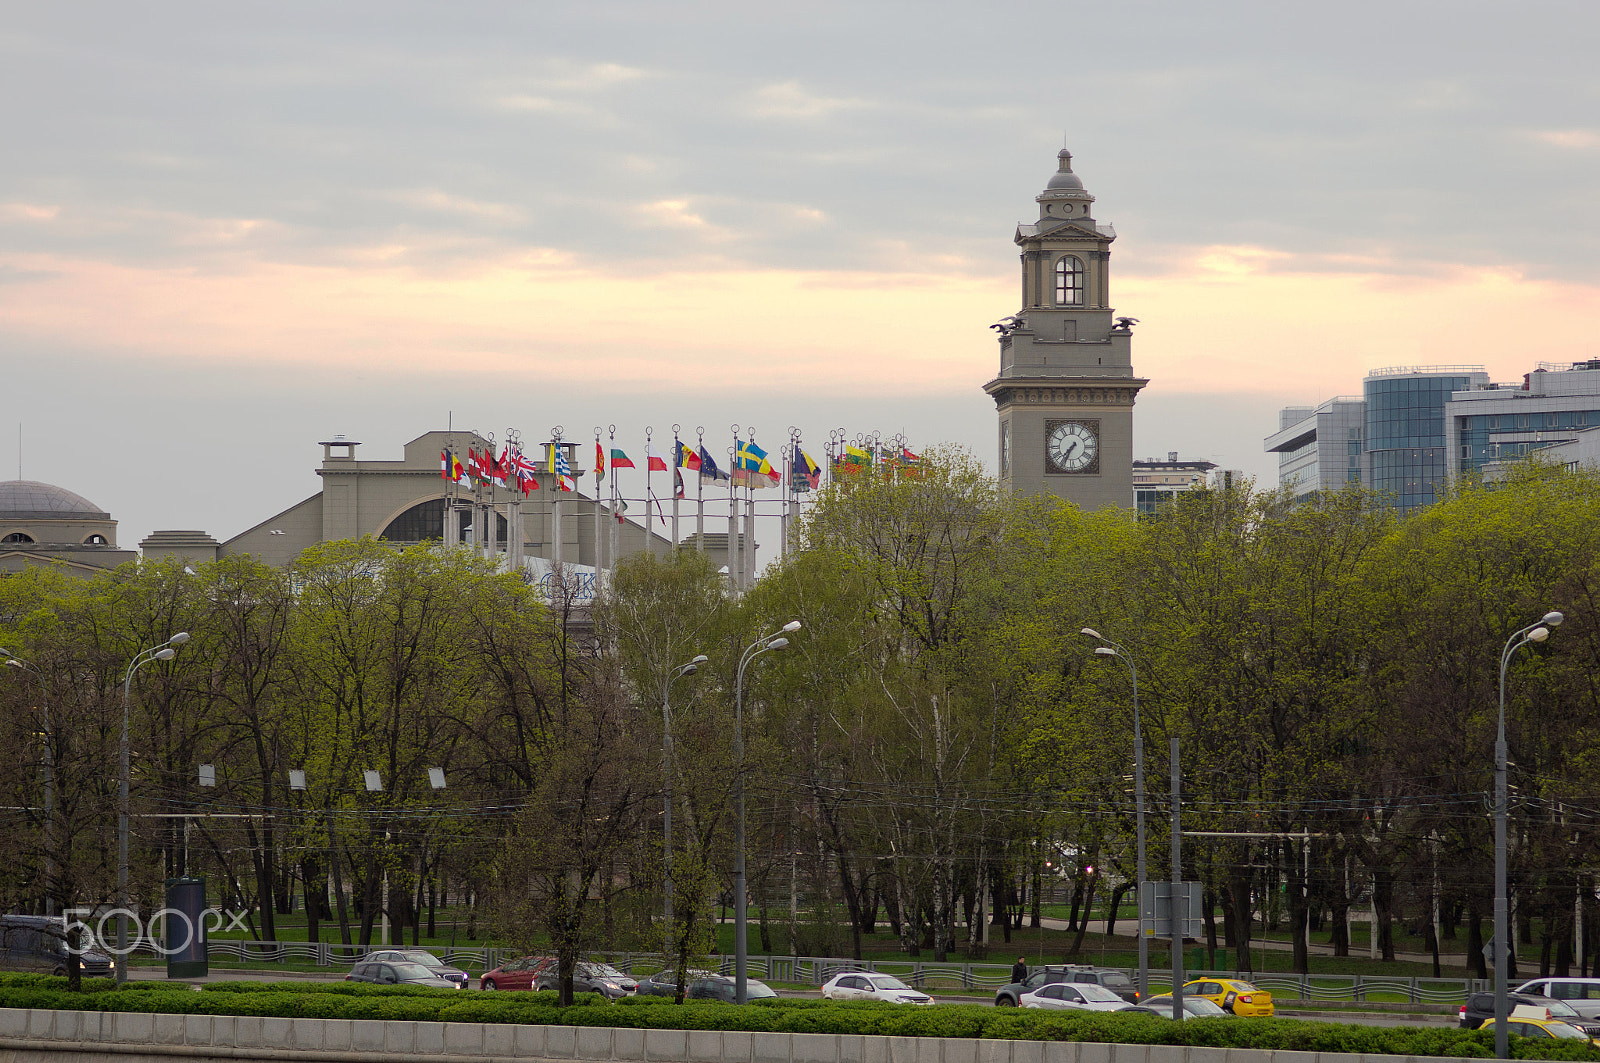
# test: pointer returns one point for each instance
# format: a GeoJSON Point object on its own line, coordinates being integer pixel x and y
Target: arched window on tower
{"type": "Point", "coordinates": [1069, 281]}
{"type": "Point", "coordinates": [18, 538]}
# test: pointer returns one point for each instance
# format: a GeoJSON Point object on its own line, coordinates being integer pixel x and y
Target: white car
{"type": "Point", "coordinates": [862, 985]}
{"type": "Point", "coordinates": [1074, 995]}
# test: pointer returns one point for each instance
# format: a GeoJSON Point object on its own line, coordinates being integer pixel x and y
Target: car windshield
{"type": "Point", "coordinates": [1561, 1008]}
{"type": "Point", "coordinates": [1243, 987]}
{"type": "Point", "coordinates": [608, 971]}
{"type": "Point", "coordinates": [887, 981]}
{"type": "Point", "coordinates": [1114, 978]}
{"type": "Point", "coordinates": [1198, 1006]}
{"type": "Point", "coordinates": [412, 970]}
{"type": "Point", "coordinates": [427, 959]}
{"type": "Point", "coordinates": [1562, 1029]}
{"type": "Point", "coordinates": [758, 991]}
{"type": "Point", "coordinates": [1098, 993]}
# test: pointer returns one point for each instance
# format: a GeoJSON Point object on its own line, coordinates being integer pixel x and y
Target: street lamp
{"type": "Point", "coordinates": [1112, 649]}
{"type": "Point", "coordinates": [666, 771]}
{"type": "Point", "coordinates": [741, 952]}
{"type": "Point", "coordinates": [1535, 632]}
{"type": "Point", "coordinates": [13, 661]}
{"type": "Point", "coordinates": [163, 652]}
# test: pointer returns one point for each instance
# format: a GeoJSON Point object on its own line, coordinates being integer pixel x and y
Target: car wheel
{"type": "Point", "coordinates": [60, 972]}
{"type": "Point", "coordinates": [1004, 1002]}
{"type": "Point", "coordinates": [488, 983]}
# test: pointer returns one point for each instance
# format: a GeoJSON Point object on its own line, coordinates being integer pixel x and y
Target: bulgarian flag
{"type": "Point", "coordinates": [619, 460]}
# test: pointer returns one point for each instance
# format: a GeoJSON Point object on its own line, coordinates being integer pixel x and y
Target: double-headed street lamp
{"type": "Point", "coordinates": [13, 661]}
{"type": "Point", "coordinates": [741, 951]}
{"type": "Point", "coordinates": [1112, 649]}
{"type": "Point", "coordinates": [1535, 632]}
{"type": "Point", "coordinates": [666, 773]}
{"type": "Point", "coordinates": [164, 652]}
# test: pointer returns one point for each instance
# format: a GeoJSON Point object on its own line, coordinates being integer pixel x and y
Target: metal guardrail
{"type": "Point", "coordinates": [815, 970]}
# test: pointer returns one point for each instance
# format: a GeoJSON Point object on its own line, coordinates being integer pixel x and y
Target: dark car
{"type": "Point", "coordinates": [38, 943]}
{"type": "Point", "coordinates": [1480, 1007]}
{"type": "Point", "coordinates": [515, 974]}
{"type": "Point", "coordinates": [721, 987]}
{"type": "Point", "coordinates": [588, 977]}
{"type": "Point", "coordinates": [1193, 1008]}
{"type": "Point", "coordinates": [433, 963]}
{"type": "Point", "coordinates": [1109, 977]}
{"type": "Point", "coordinates": [398, 974]}
{"type": "Point", "coordinates": [665, 983]}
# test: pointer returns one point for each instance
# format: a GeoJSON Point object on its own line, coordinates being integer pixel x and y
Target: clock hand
{"type": "Point", "coordinates": [1070, 446]}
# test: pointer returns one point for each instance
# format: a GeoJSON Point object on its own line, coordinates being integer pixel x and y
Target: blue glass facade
{"type": "Point", "coordinates": [1484, 436]}
{"type": "Point", "coordinates": [1405, 436]}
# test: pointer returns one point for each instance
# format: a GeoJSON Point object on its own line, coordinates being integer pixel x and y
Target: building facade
{"type": "Point", "coordinates": [42, 525]}
{"type": "Point", "coordinates": [1320, 448]}
{"type": "Point", "coordinates": [1493, 423]}
{"type": "Point", "coordinates": [1406, 444]}
{"type": "Point", "coordinates": [1065, 391]}
{"type": "Point", "coordinates": [1156, 482]}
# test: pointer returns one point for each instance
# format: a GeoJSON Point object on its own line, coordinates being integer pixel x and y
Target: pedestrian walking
{"type": "Point", "coordinates": [1019, 970]}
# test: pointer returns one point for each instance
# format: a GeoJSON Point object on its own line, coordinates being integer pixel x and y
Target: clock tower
{"type": "Point", "coordinates": [1066, 387]}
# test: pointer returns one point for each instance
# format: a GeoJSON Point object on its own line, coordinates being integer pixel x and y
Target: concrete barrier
{"type": "Point", "coordinates": [33, 1036]}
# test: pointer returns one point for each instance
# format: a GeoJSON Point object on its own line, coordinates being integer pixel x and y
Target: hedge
{"type": "Point", "coordinates": [351, 1000]}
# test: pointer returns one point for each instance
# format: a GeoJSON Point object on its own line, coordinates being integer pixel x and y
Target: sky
{"type": "Point", "coordinates": [229, 231]}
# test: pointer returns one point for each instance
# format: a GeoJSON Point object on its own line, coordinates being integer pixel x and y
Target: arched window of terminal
{"type": "Point", "coordinates": [1069, 281]}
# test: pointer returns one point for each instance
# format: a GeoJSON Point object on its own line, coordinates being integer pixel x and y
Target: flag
{"type": "Point", "coordinates": [686, 457]}
{"type": "Point", "coordinates": [622, 507]}
{"type": "Point", "coordinates": [677, 480]}
{"type": "Point", "coordinates": [562, 470]}
{"type": "Point", "coordinates": [908, 457]}
{"type": "Point", "coordinates": [708, 467]}
{"type": "Point", "coordinates": [599, 461]}
{"type": "Point", "coordinates": [805, 474]}
{"type": "Point", "coordinates": [444, 464]}
{"type": "Point", "coordinates": [653, 463]}
{"type": "Point", "coordinates": [501, 470]}
{"type": "Point", "coordinates": [854, 458]}
{"type": "Point", "coordinates": [450, 466]}
{"type": "Point", "coordinates": [525, 469]}
{"type": "Point", "coordinates": [619, 460]}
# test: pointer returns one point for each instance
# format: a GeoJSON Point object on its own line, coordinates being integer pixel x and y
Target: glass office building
{"type": "Point", "coordinates": [1502, 422]}
{"type": "Point", "coordinates": [1406, 447]}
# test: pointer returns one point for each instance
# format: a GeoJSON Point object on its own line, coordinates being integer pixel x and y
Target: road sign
{"type": "Point", "coordinates": [1155, 907]}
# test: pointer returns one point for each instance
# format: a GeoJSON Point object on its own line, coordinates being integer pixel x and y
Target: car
{"type": "Point", "coordinates": [1580, 994]}
{"type": "Point", "coordinates": [867, 985]}
{"type": "Point", "coordinates": [1232, 995]}
{"type": "Point", "coordinates": [1532, 1025]}
{"type": "Point", "coordinates": [665, 983]}
{"type": "Point", "coordinates": [424, 957]}
{"type": "Point", "coordinates": [38, 943]}
{"type": "Point", "coordinates": [398, 974]}
{"type": "Point", "coordinates": [515, 974]}
{"type": "Point", "coordinates": [589, 977]}
{"type": "Point", "coordinates": [1479, 1009]}
{"type": "Point", "coordinates": [1066, 995]}
{"type": "Point", "coordinates": [1193, 1008]}
{"type": "Point", "coordinates": [1079, 974]}
{"type": "Point", "coordinates": [721, 987]}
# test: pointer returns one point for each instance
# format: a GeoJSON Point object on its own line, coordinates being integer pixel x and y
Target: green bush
{"type": "Point", "coordinates": [356, 1000]}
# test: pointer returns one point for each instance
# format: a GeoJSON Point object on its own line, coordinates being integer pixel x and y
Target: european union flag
{"type": "Point", "coordinates": [708, 467]}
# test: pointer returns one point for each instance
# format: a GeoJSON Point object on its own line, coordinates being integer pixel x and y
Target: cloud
{"type": "Point", "coordinates": [1575, 139]}
{"type": "Point", "coordinates": [29, 211]}
{"type": "Point", "coordinates": [788, 100]}
{"type": "Point", "coordinates": [445, 202]}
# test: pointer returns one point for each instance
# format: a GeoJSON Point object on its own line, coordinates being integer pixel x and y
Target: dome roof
{"type": "Point", "coordinates": [33, 500]}
{"type": "Point", "coordinates": [1064, 184]}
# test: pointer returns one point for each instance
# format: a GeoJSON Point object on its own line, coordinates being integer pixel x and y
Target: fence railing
{"type": "Point", "coordinates": [815, 970]}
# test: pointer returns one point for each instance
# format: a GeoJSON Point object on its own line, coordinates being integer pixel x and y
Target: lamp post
{"type": "Point", "coordinates": [1112, 649]}
{"type": "Point", "coordinates": [666, 773]}
{"type": "Point", "coordinates": [163, 652]}
{"type": "Point", "coordinates": [13, 661]}
{"type": "Point", "coordinates": [1535, 632]}
{"type": "Point", "coordinates": [741, 951]}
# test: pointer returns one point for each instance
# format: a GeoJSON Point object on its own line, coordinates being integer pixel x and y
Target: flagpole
{"type": "Point", "coordinates": [750, 517]}
{"type": "Point", "coordinates": [735, 542]}
{"type": "Point", "coordinates": [555, 500]}
{"type": "Point", "coordinates": [649, 495]}
{"type": "Point", "coordinates": [700, 493]}
{"type": "Point", "coordinates": [677, 479]}
{"type": "Point", "coordinates": [514, 532]}
{"type": "Point", "coordinates": [616, 518]}
{"type": "Point", "coordinates": [599, 528]}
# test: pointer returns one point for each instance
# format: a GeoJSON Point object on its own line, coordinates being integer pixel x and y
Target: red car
{"type": "Point", "coordinates": [515, 974]}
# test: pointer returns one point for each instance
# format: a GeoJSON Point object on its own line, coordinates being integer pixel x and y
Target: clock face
{"type": "Point", "coordinates": [1005, 446]}
{"type": "Point", "coordinates": [1073, 446]}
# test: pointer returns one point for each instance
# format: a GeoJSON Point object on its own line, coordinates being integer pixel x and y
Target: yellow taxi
{"type": "Point", "coordinates": [1231, 994]}
{"type": "Point", "coordinates": [1530, 1021]}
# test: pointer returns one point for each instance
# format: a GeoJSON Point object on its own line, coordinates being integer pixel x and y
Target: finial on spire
{"type": "Point", "coordinates": [1065, 164]}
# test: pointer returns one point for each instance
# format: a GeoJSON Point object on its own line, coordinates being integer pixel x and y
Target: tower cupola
{"type": "Point", "coordinates": [1064, 196]}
